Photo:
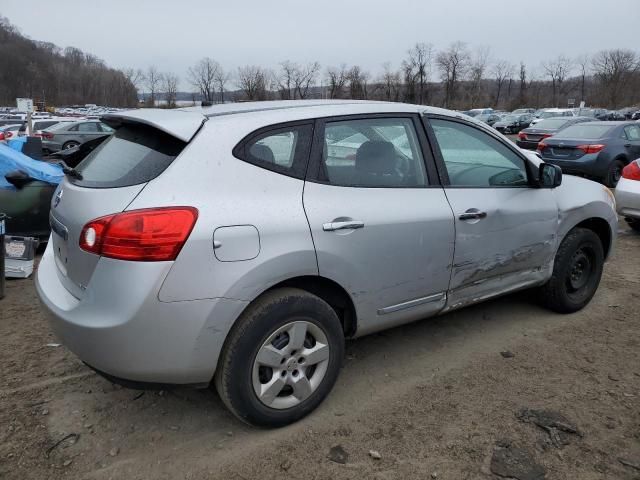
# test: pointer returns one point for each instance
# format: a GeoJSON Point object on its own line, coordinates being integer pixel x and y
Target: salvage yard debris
{"type": "Point", "coordinates": [555, 424]}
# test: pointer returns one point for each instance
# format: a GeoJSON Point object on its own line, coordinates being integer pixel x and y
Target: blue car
{"type": "Point", "coordinates": [598, 150]}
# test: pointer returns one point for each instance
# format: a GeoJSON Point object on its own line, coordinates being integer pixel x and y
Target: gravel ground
{"type": "Point", "coordinates": [441, 399]}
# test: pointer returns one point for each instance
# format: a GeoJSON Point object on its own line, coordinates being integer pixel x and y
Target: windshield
{"type": "Point", "coordinates": [552, 123]}
{"type": "Point", "coordinates": [509, 118]}
{"type": "Point", "coordinates": [585, 131]}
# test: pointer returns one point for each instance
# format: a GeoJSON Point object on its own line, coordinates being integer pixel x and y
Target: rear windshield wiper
{"type": "Point", "coordinates": [69, 171]}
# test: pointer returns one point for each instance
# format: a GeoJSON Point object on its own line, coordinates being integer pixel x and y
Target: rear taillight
{"type": "Point", "coordinates": [546, 135]}
{"type": "Point", "coordinates": [632, 171]}
{"type": "Point", "coordinates": [541, 146]}
{"type": "Point", "coordinates": [522, 136]}
{"type": "Point", "coordinates": [1, 135]}
{"type": "Point", "coordinates": [8, 135]}
{"type": "Point", "coordinates": [148, 235]}
{"type": "Point", "coordinates": [591, 148]}
{"type": "Point", "coordinates": [47, 135]}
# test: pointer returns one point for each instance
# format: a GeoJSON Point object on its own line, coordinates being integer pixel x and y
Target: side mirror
{"type": "Point", "coordinates": [18, 178]}
{"type": "Point", "coordinates": [549, 176]}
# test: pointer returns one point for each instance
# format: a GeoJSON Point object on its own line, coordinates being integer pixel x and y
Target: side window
{"type": "Point", "coordinates": [88, 127]}
{"type": "Point", "coordinates": [633, 132]}
{"type": "Point", "coordinates": [376, 152]}
{"type": "Point", "coordinates": [284, 150]}
{"type": "Point", "coordinates": [106, 128]}
{"type": "Point", "coordinates": [73, 129]}
{"type": "Point", "coordinates": [474, 158]}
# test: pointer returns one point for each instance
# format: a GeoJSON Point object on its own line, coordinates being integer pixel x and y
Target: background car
{"type": "Point", "coordinates": [7, 132]}
{"type": "Point", "coordinates": [520, 111]}
{"type": "Point", "coordinates": [551, 113]}
{"type": "Point", "coordinates": [73, 156]}
{"type": "Point", "coordinates": [513, 123]}
{"type": "Point", "coordinates": [628, 194]}
{"type": "Point", "coordinates": [531, 136]}
{"type": "Point", "coordinates": [598, 150]}
{"type": "Point", "coordinates": [488, 118]}
{"type": "Point", "coordinates": [71, 134]}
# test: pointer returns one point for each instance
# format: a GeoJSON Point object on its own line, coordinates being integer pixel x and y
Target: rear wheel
{"type": "Point", "coordinates": [576, 274]}
{"type": "Point", "coordinates": [69, 145]}
{"type": "Point", "coordinates": [614, 173]}
{"type": "Point", "coordinates": [281, 359]}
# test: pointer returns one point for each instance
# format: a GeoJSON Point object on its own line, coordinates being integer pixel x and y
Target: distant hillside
{"type": "Point", "coordinates": [46, 72]}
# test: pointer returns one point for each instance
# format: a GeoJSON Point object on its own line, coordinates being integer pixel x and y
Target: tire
{"type": "Point", "coordinates": [634, 223]}
{"type": "Point", "coordinates": [568, 290]}
{"type": "Point", "coordinates": [69, 145]}
{"type": "Point", "coordinates": [240, 374]}
{"type": "Point", "coordinates": [614, 173]}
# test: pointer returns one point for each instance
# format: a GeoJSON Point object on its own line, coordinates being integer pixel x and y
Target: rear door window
{"type": "Point", "coordinates": [134, 154]}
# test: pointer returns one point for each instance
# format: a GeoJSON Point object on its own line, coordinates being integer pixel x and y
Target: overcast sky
{"type": "Point", "coordinates": [174, 34]}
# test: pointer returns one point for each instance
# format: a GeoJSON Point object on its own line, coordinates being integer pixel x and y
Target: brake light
{"type": "Point", "coordinates": [632, 171]}
{"type": "Point", "coordinates": [591, 148]}
{"type": "Point", "coordinates": [522, 136]}
{"type": "Point", "coordinates": [147, 235]}
{"type": "Point", "coordinates": [1, 136]}
{"type": "Point", "coordinates": [47, 135]}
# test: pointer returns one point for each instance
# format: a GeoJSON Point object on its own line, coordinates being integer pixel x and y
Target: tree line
{"type": "Point", "coordinates": [56, 76]}
{"type": "Point", "coordinates": [457, 77]}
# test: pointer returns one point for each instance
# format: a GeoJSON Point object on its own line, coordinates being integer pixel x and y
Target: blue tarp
{"type": "Point", "coordinates": [17, 143]}
{"type": "Point", "coordinates": [11, 160]}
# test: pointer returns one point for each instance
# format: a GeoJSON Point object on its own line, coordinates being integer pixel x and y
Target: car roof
{"type": "Point", "coordinates": [183, 123]}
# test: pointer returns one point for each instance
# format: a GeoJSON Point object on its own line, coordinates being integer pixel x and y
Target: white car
{"type": "Point", "coordinates": [7, 132]}
{"type": "Point", "coordinates": [552, 113]}
{"type": "Point", "coordinates": [628, 194]}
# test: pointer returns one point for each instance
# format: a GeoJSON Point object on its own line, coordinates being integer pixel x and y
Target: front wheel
{"type": "Point", "coordinates": [577, 270]}
{"type": "Point", "coordinates": [281, 359]}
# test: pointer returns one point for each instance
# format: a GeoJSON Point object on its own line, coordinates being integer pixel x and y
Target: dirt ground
{"type": "Point", "coordinates": [435, 399]}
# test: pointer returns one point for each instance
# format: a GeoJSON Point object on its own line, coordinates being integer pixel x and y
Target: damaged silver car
{"type": "Point", "coordinates": [240, 244]}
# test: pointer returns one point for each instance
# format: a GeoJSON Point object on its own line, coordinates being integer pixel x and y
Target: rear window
{"type": "Point", "coordinates": [584, 131]}
{"type": "Point", "coordinates": [134, 154]}
{"type": "Point", "coordinates": [552, 123]}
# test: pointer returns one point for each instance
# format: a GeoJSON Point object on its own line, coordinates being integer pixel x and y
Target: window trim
{"type": "Point", "coordinates": [300, 163]}
{"type": "Point", "coordinates": [313, 171]}
{"type": "Point", "coordinates": [440, 163]}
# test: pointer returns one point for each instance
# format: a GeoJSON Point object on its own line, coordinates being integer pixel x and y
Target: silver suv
{"type": "Point", "coordinates": [240, 244]}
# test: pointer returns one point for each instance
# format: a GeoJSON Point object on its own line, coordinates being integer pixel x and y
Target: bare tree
{"type": "Point", "coordinates": [135, 76]}
{"type": "Point", "coordinates": [253, 81]}
{"type": "Point", "coordinates": [419, 64]}
{"type": "Point", "coordinates": [152, 81]}
{"type": "Point", "coordinates": [285, 79]}
{"type": "Point", "coordinates": [583, 62]}
{"type": "Point", "coordinates": [221, 79]}
{"type": "Point", "coordinates": [337, 80]}
{"type": "Point", "coordinates": [203, 75]}
{"type": "Point", "coordinates": [390, 82]}
{"type": "Point", "coordinates": [170, 86]}
{"type": "Point", "coordinates": [502, 70]}
{"type": "Point", "coordinates": [614, 69]}
{"type": "Point", "coordinates": [358, 81]}
{"type": "Point", "coordinates": [523, 97]}
{"type": "Point", "coordinates": [453, 64]}
{"type": "Point", "coordinates": [304, 77]}
{"type": "Point", "coordinates": [477, 72]}
{"type": "Point", "coordinates": [557, 70]}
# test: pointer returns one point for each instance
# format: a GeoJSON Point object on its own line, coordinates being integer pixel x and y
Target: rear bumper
{"type": "Point", "coordinates": [586, 165]}
{"type": "Point", "coordinates": [628, 198]}
{"type": "Point", "coordinates": [120, 327]}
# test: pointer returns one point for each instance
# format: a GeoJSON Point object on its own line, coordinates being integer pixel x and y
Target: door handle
{"type": "Point", "coordinates": [472, 215]}
{"type": "Point", "coordinates": [346, 225]}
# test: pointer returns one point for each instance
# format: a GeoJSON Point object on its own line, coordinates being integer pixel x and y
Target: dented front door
{"type": "Point", "coordinates": [508, 244]}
